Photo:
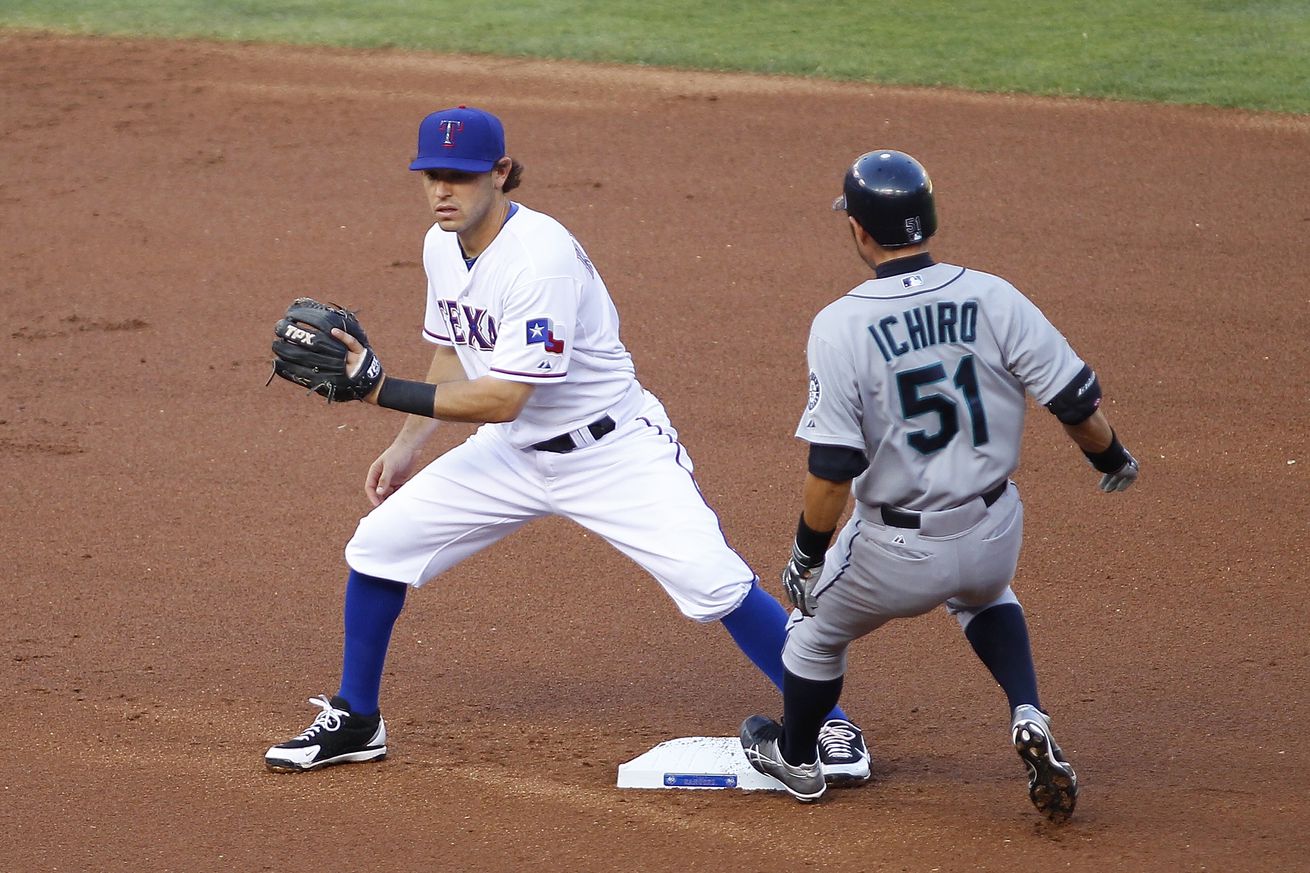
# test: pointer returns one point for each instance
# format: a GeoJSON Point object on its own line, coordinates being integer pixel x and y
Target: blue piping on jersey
{"type": "Point", "coordinates": [530, 375]}
{"type": "Point", "coordinates": [963, 270]}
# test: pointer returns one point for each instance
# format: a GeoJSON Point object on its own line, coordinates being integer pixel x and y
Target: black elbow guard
{"type": "Point", "coordinates": [1079, 399]}
{"type": "Point", "coordinates": [836, 463]}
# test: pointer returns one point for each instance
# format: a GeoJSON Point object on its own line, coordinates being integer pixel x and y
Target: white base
{"type": "Point", "coordinates": [695, 762]}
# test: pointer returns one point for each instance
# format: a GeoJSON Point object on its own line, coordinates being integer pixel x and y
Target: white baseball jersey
{"type": "Point", "coordinates": [531, 308]}
{"type": "Point", "coordinates": [925, 372]}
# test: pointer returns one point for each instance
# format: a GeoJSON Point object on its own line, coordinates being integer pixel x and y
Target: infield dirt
{"type": "Point", "coordinates": [172, 529]}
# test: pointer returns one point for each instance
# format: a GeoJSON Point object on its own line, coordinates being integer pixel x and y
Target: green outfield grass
{"type": "Point", "coordinates": [1221, 52]}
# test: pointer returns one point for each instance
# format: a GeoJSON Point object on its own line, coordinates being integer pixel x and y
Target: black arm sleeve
{"type": "Point", "coordinates": [836, 463]}
{"type": "Point", "coordinates": [407, 395]}
{"type": "Point", "coordinates": [1079, 399]}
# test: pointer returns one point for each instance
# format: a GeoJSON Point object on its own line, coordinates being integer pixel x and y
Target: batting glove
{"type": "Point", "coordinates": [799, 578]}
{"type": "Point", "coordinates": [1120, 479]}
{"type": "Point", "coordinates": [1120, 469]}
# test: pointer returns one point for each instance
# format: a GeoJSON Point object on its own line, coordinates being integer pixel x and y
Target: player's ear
{"type": "Point", "coordinates": [500, 172]}
{"type": "Point", "coordinates": [857, 230]}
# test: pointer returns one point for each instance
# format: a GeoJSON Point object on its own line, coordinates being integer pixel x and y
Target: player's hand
{"type": "Point", "coordinates": [799, 578]}
{"type": "Point", "coordinates": [323, 347]}
{"type": "Point", "coordinates": [1120, 479]}
{"type": "Point", "coordinates": [1117, 467]}
{"type": "Point", "coordinates": [391, 470]}
{"type": "Point", "coordinates": [356, 355]}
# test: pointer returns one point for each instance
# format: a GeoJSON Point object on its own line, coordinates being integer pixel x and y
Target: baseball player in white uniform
{"type": "Point", "coordinates": [527, 343]}
{"type": "Point", "coordinates": [916, 407]}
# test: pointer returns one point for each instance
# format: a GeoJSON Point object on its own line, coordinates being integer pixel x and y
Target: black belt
{"type": "Point", "coordinates": [563, 444]}
{"type": "Point", "coordinates": [904, 518]}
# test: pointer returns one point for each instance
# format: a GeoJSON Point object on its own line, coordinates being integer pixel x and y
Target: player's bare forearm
{"type": "Point", "coordinates": [1105, 452]}
{"type": "Point", "coordinates": [446, 395]}
{"type": "Point", "coordinates": [825, 501]}
{"type": "Point", "coordinates": [416, 431]}
{"type": "Point", "coordinates": [486, 400]}
{"type": "Point", "coordinates": [482, 401]}
{"type": "Point", "coordinates": [1093, 434]}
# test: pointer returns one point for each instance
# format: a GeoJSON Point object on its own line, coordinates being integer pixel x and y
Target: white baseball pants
{"type": "Point", "coordinates": [634, 487]}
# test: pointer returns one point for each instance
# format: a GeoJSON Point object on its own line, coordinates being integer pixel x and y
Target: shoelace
{"type": "Point", "coordinates": [775, 757]}
{"type": "Point", "coordinates": [837, 741]}
{"type": "Point", "coordinates": [329, 719]}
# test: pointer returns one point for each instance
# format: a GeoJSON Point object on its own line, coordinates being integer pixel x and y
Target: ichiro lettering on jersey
{"type": "Point", "coordinates": [926, 372]}
{"type": "Point", "coordinates": [531, 308]}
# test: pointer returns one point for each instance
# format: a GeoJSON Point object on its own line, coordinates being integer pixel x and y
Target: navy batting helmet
{"type": "Point", "coordinates": [890, 195]}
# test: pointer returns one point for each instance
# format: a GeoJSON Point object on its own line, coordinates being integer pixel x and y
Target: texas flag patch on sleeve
{"type": "Point", "coordinates": [541, 330]}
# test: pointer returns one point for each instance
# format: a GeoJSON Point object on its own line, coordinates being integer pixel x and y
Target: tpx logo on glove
{"type": "Point", "coordinates": [299, 335]}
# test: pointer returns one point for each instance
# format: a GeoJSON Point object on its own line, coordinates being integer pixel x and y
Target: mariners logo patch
{"type": "Point", "coordinates": [815, 391]}
{"type": "Point", "coordinates": [541, 330]}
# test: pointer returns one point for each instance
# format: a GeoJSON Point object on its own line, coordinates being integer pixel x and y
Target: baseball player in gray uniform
{"type": "Point", "coordinates": [916, 407]}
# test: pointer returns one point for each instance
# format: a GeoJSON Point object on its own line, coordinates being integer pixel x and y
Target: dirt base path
{"type": "Point", "coordinates": [172, 529]}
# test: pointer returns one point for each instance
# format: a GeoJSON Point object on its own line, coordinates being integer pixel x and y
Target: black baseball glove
{"type": "Point", "coordinates": [306, 352]}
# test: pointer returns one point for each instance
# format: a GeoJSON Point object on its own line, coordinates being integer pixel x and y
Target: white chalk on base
{"type": "Point", "coordinates": [695, 762]}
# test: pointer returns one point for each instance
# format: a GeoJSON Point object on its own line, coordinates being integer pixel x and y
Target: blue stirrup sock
{"type": "Point", "coordinates": [999, 637]}
{"type": "Point", "coordinates": [371, 609]}
{"type": "Point", "coordinates": [759, 628]}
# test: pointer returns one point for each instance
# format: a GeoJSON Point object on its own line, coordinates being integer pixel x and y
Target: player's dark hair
{"type": "Point", "coordinates": [515, 177]}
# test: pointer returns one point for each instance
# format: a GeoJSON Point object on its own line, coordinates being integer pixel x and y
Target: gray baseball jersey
{"type": "Point", "coordinates": [925, 372]}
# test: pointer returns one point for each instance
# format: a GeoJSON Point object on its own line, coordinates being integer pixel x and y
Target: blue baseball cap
{"type": "Point", "coordinates": [464, 139]}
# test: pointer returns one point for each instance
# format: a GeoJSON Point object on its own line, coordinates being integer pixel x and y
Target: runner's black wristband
{"type": "Point", "coordinates": [406, 395]}
{"type": "Point", "coordinates": [1110, 460]}
{"type": "Point", "coordinates": [811, 543]}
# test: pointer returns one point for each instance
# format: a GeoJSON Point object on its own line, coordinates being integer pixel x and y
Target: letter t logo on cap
{"type": "Point", "coordinates": [451, 127]}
